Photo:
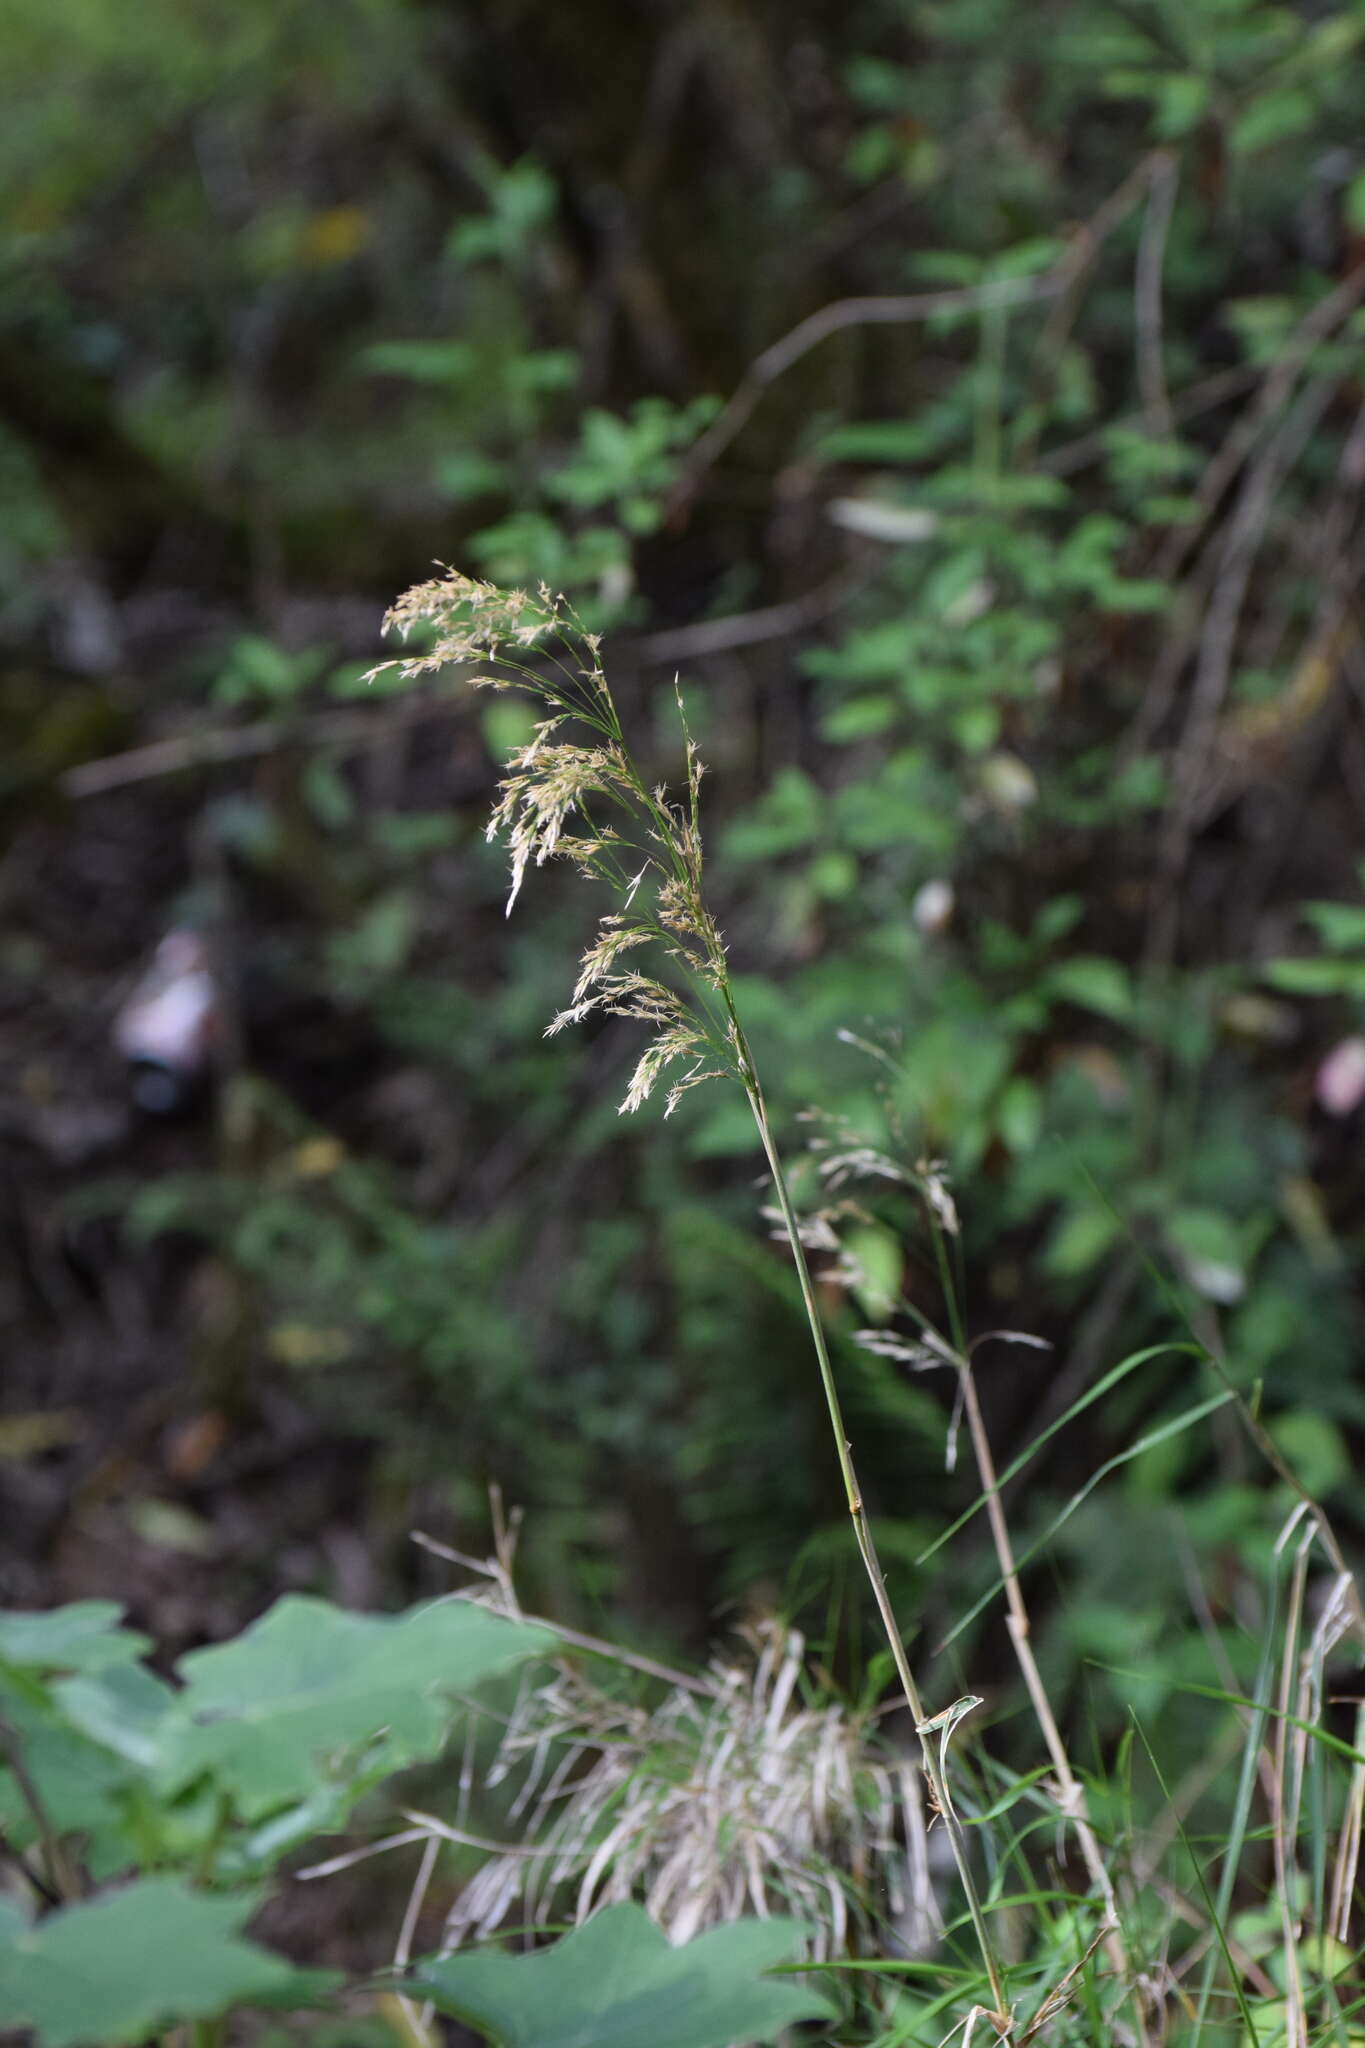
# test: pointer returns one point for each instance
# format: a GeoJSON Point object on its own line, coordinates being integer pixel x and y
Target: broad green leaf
{"type": "Point", "coordinates": [976, 727]}
{"type": "Point", "coordinates": [1180, 101]}
{"type": "Point", "coordinates": [859, 718]}
{"type": "Point", "coordinates": [876, 441]}
{"type": "Point", "coordinates": [308, 1683]}
{"type": "Point", "coordinates": [73, 1760]}
{"type": "Point", "coordinates": [879, 1263]}
{"type": "Point", "coordinates": [1080, 1238]}
{"type": "Point", "coordinates": [1340, 925]}
{"type": "Point", "coordinates": [250, 1855]}
{"type": "Point", "coordinates": [1273, 117]}
{"type": "Point", "coordinates": [1211, 1251]}
{"type": "Point", "coordinates": [1314, 1447]}
{"type": "Point", "coordinates": [121, 1708]}
{"type": "Point", "coordinates": [788, 817]}
{"type": "Point", "coordinates": [424, 362]}
{"type": "Point", "coordinates": [1019, 1114]}
{"type": "Point", "coordinates": [119, 1967]}
{"type": "Point", "coordinates": [77, 1780]}
{"type": "Point", "coordinates": [833, 874]}
{"type": "Point", "coordinates": [84, 1636]}
{"type": "Point", "coordinates": [616, 1982]}
{"type": "Point", "coordinates": [1271, 2020]}
{"type": "Point", "coordinates": [1093, 983]}
{"type": "Point", "coordinates": [1354, 204]}
{"type": "Point", "coordinates": [467, 474]}
{"type": "Point", "coordinates": [1320, 977]}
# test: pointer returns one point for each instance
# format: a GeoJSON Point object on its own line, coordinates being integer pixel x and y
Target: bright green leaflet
{"type": "Point", "coordinates": [308, 1682]}
{"type": "Point", "coordinates": [616, 1982]}
{"type": "Point", "coordinates": [83, 1636]}
{"type": "Point", "coordinates": [152, 1953]}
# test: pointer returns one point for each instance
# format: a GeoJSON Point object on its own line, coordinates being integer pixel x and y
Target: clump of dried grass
{"type": "Point", "coordinates": [746, 1787]}
{"type": "Point", "coordinates": [730, 1795]}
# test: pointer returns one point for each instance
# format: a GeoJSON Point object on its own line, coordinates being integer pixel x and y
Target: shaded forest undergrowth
{"type": "Point", "coordinates": [971, 417]}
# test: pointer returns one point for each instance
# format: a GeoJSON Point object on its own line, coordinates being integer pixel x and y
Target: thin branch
{"type": "Point", "coordinates": [1315, 327]}
{"type": "Point", "coordinates": [1347, 1860]}
{"type": "Point", "coordinates": [349, 1858]}
{"type": "Point", "coordinates": [216, 745]}
{"type": "Point", "coordinates": [1273, 392]}
{"type": "Point", "coordinates": [40, 1885]}
{"type": "Point", "coordinates": [575, 1638]}
{"type": "Point", "coordinates": [904, 309]}
{"type": "Point", "coordinates": [430, 1826]}
{"type": "Point", "coordinates": [1241, 543]}
{"type": "Point", "coordinates": [1284, 1817]}
{"type": "Point", "coordinates": [899, 310]}
{"type": "Point", "coordinates": [743, 629]}
{"type": "Point", "coordinates": [62, 1878]}
{"type": "Point", "coordinates": [418, 2020]}
{"type": "Point", "coordinates": [1147, 284]}
{"type": "Point", "coordinates": [1201, 397]}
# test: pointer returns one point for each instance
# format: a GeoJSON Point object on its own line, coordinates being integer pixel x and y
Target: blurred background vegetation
{"type": "Point", "coordinates": [966, 401]}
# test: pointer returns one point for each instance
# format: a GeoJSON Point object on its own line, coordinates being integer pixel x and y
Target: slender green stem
{"type": "Point", "coordinates": [63, 1878]}
{"type": "Point", "coordinates": [990, 366]}
{"type": "Point", "coordinates": [862, 1528]}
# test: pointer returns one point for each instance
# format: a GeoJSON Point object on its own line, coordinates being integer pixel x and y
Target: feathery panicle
{"type": "Point", "coordinates": [847, 1156]}
{"type": "Point", "coordinates": [926, 1356]}
{"type": "Point", "coordinates": [679, 908]}
{"type": "Point", "coordinates": [538, 645]}
{"type": "Point", "coordinates": [471, 618]}
{"type": "Point", "coordinates": [615, 937]}
{"type": "Point", "coordinates": [677, 1041]}
{"type": "Point", "coordinates": [550, 783]}
{"type": "Point", "coordinates": [624, 995]}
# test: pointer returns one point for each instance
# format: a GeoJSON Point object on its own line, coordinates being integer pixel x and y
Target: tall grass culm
{"type": "Point", "coordinates": [584, 799]}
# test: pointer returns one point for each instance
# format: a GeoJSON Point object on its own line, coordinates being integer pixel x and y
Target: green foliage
{"type": "Point", "coordinates": [289, 311]}
{"type": "Point", "coordinates": [308, 1682]}
{"type": "Point", "coordinates": [965, 727]}
{"type": "Point", "coordinates": [617, 1979]}
{"type": "Point", "coordinates": [1339, 969]}
{"type": "Point", "coordinates": [83, 1637]}
{"type": "Point", "coordinates": [265, 1741]}
{"type": "Point", "coordinates": [621, 471]}
{"type": "Point", "coordinates": [143, 1957]}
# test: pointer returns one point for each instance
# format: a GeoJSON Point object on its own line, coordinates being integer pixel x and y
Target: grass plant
{"type": "Point", "coordinates": [591, 804]}
{"type": "Point", "coordinates": [1183, 1872]}
{"type": "Point", "coordinates": [1160, 1946]}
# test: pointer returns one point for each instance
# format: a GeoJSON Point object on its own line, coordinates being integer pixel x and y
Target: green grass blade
{"type": "Point", "coordinates": [1185, 1420]}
